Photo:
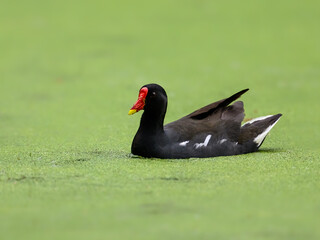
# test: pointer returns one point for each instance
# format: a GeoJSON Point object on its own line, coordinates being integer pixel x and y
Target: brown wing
{"type": "Point", "coordinates": [209, 109]}
{"type": "Point", "coordinates": [217, 118]}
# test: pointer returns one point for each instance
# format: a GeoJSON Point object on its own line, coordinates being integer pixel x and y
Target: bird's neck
{"type": "Point", "coordinates": [152, 122]}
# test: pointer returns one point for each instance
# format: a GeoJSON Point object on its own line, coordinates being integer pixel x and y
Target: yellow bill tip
{"type": "Point", "coordinates": [132, 111]}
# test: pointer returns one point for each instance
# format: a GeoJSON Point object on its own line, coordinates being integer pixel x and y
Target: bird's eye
{"type": "Point", "coordinates": [153, 93]}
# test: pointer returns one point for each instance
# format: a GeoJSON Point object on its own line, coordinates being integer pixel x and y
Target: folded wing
{"type": "Point", "coordinates": [220, 119]}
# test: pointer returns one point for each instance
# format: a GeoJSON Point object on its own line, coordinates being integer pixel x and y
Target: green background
{"type": "Point", "coordinates": [71, 70]}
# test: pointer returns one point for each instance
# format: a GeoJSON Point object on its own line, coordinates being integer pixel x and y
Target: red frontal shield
{"type": "Point", "coordinates": [139, 105]}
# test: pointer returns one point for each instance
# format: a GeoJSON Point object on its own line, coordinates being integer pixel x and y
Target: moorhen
{"type": "Point", "coordinates": [214, 130]}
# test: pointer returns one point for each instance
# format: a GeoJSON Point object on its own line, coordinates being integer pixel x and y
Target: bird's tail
{"type": "Point", "coordinates": [257, 129]}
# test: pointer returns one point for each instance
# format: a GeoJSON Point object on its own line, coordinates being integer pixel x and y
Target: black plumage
{"type": "Point", "coordinates": [214, 130]}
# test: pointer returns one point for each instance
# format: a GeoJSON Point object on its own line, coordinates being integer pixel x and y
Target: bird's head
{"type": "Point", "coordinates": [152, 97]}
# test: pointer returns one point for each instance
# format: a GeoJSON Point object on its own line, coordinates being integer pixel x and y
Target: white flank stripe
{"type": "Point", "coordinates": [258, 140]}
{"type": "Point", "coordinates": [204, 144]}
{"type": "Point", "coordinates": [222, 141]}
{"type": "Point", "coordinates": [207, 140]}
{"type": "Point", "coordinates": [183, 143]}
{"type": "Point", "coordinates": [256, 119]}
